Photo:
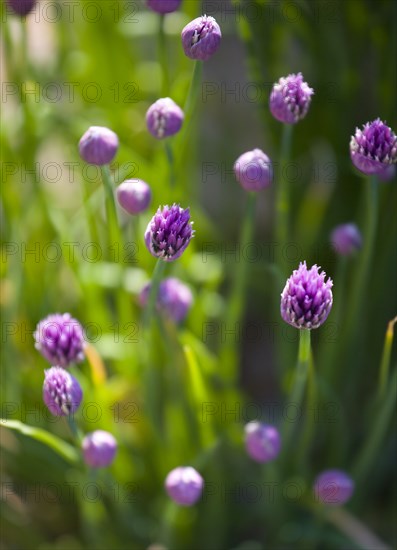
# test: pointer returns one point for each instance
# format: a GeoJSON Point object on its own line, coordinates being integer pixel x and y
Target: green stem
{"type": "Point", "coordinates": [301, 375]}
{"type": "Point", "coordinates": [154, 288]}
{"type": "Point", "coordinates": [111, 213]}
{"type": "Point", "coordinates": [170, 158]}
{"type": "Point", "coordinates": [371, 449]}
{"type": "Point", "coordinates": [309, 420]}
{"type": "Point", "coordinates": [89, 215]}
{"type": "Point", "coordinates": [385, 361]}
{"type": "Point", "coordinates": [163, 58]}
{"type": "Point", "coordinates": [235, 309]}
{"type": "Point", "coordinates": [283, 197]}
{"type": "Point", "coordinates": [76, 432]}
{"type": "Point", "coordinates": [194, 89]}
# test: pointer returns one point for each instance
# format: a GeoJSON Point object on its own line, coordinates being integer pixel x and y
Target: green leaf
{"type": "Point", "coordinates": [65, 450]}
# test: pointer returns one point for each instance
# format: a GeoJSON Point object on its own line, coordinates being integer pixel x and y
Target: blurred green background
{"type": "Point", "coordinates": [71, 65]}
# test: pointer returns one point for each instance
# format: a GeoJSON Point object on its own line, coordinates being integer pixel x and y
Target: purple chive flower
{"type": "Point", "coordinates": [262, 441]}
{"type": "Point", "coordinates": [21, 7]}
{"type": "Point", "coordinates": [60, 339]}
{"type": "Point", "coordinates": [164, 6]}
{"type": "Point", "coordinates": [169, 232]}
{"type": "Point", "coordinates": [307, 298]}
{"type": "Point", "coordinates": [373, 148]}
{"type": "Point", "coordinates": [134, 196]}
{"type": "Point", "coordinates": [184, 485]}
{"type": "Point", "coordinates": [164, 118]}
{"type": "Point", "coordinates": [346, 239]}
{"type": "Point", "coordinates": [98, 145]}
{"type": "Point", "coordinates": [333, 487]}
{"type": "Point", "coordinates": [253, 170]}
{"type": "Point", "coordinates": [290, 99]}
{"type": "Point", "coordinates": [99, 449]}
{"type": "Point", "coordinates": [61, 392]}
{"type": "Point", "coordinates": [201, 38]}
{"type": "Point", "coordinates": [174, 298]}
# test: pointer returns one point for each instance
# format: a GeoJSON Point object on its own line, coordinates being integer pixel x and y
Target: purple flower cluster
{"type": "Point", "coordinates": [201, 38]}
{"type": "Point", "coordinates": [61, 392]}
{"type": "Point", "coordinates": [98, 145]}
{"type": "Point", "coordinates": [262, 441]}
{"type": "Point", "coordinates": [184, 485]}
{"type": "Point", "coordinates": [346, 239]}
{"type": "Point", "coordinates": [99, 449]}
{"type": "Point", "coordinates": [134, 196]}
{"type": "Point", "coordinates": [374, 148]}
{"type": "Point", "coordinates": [290, 99]}
{"type": "Point", "coordinates": [333, 488]}
{"type": "Point", "coordinates": [169, 232]}
{"type": "Point", "coordinates": [174, 298]}
{"type": "Point", "coordinates": [164, 118]}
{"type": "Point", "coordinates": [60, 339]}
{"type": "Point", "coordinates": [164, 6]}
{"type": "Point", "coordinates": [307, 298]}
{"type": "Point", "coordinates": [21, 7]}
{"type": "Point", "coordinates": [253, 170]}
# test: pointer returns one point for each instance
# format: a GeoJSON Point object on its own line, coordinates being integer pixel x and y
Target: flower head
{"type": "Point", "coordinates": [60, 340]}
{"type": "Point", "coordinates": [169, 232]}
{"type": "Point", "coordinates": [346, 239]}
{"type": "Point", "coordinates": [174, 298]}
{"type": "Point", "coordinates": [333, 487]}
{"type": "Point", "coordinates": [21, 7]}
{"type": "Point", "coordinates": [134, 196]}
{"type": "Point", "coordinates": [253, 170]}
{"type": "Point", "coordinates": [61, 392]}
{"type": "Point", "coordinates": [184, 485]}
{"type": "Point", "coordinates": [98, 145]}
{"type": "Point", "coordinates": [290, 99]}
{"type": "Point", "coordinates": [164, 118]}
{"type": "Point", "coordinates": [262, 441]}
{"type": "Point", "coordinates": [201, 38]}
{"type": "Point", "coordinates": [99, 449]}
{"type": "Point", "coordinates": [373, 148]}
{"type": "Point", "coordinates": [164, 6]}
{"type": "Point", "coordinates": [307, 298]}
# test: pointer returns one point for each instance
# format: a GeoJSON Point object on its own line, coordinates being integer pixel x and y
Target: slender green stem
{"type": "Point", "coordinates": [235, 308]}
{"type": "Point", "coordinates": [170, 158]}
{"type": "Point", "coordinates": [194, 89]}
{"type": "Point", "coordinates": [90, 215]}
{"type": "Point", "coordinates": [371, 449]}
{"type": "Point", "coordinates": [163, 57]}
{"type": "Point", "coordinates": [309, 412]}
{"type": "Point", "coordinates": [76, 432]}
{"type": "Point", "coordinates": [282, 220]}
{"type": "Point", "coordinates": [112, 221]}
{"type": "Point", "coordinates": [385, 361]}
{"type": "Point", "coordinates": [154, 288]}
{"type": "Point", "coordinates": [301, 376]}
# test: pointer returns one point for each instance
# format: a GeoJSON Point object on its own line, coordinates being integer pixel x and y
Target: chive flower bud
{"type": "Point", "coordinates": [134, 196]}
{"type": "Point", "coordinates": [98, 145]}
{"type": "Point", "coordinates": [99, 449]}
{"type": "Point", "coordinates": [164, 6]}
{"type": "Point", "coordinates": [290, 99]}
{"type": "Point", "coordinates": [346, 239]}
{"type": "Point", "coordinates": [253, 170]}
{"type": "Point", "coordinates": [184, 485]}
{"type": "Point", "coordinates": [306, 300]}
{"type": "Point", "coordinates": [333, 487]}
{"type": "Point", "coordinates": [373, 148]}
{"type": "Point", "coordinates": [164, 118]}
{"type": "Point", "coordinates": [169, 232]}
{"type": "Point", "coordinates": [60, 339]}
{"type": "Point", "coordinates": [201, 38]}
{"type": "Point", "coordinates": [61, 392]}
{"type": "Point", "coordinates": [21, 7]}
{"type": "Point", "coordinates": [174, 298]}
{"type": "Point", "coordinates": [262, 441]}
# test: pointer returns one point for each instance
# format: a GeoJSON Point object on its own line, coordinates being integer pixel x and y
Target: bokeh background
{"type": "Point", "coordinates": [71, 65]}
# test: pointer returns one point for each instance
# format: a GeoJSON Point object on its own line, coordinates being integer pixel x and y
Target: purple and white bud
{"type": "Point", "coordinates": [134, 196]}
{"type": "Point", "coordinates": [99, 449]}
{"type": "Point", "coordinates": [61, 392]}
{"type": "Point", "coordinates": [21, 7]}
{"type": "Point", "coordinates": [174, 299]}
{"type": "Point", "coordinates": [253, 170]}
{"type": "Point", "coordinates": [98, 145]}
{"type": "Point", "coordinates": [290, 99]}
{"type": "Point", "coordinates": [346, 239]}
{"type": "Point", "coordinates": [60, 339]}
{"type": "Point", "coordinates": [169, 232]}
{"type": "Point", "coordinates": [164, 118]}
{"type": "Point", "coordinates": [201, 38]}
{"type": "Point", "coordinates": [306, 300]}
{"type": "Point", "coordinates": [333, 488]}
{"type": "Point", "coordinates": [374, 148]}
{"type": "Point", "coordinates": [262, 441]}
{"type": "Point", "coordinates": [164, 6]}
{"type": "Point", "coordinates": [184, 485]}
